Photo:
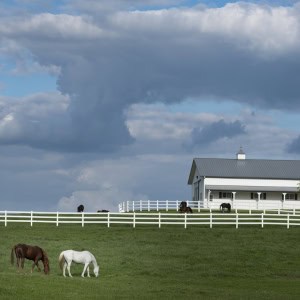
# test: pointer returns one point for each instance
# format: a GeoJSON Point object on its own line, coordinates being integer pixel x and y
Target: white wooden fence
{"type": "Point", "coordinates": [197, 206]}
{"type": "Point", "coordinates": [152, 205]}
{"type": "Point", "coordinates": [209, 219]}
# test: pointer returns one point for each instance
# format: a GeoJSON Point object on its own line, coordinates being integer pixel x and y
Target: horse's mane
{"type": "Point", "coordinates": [45, 255]}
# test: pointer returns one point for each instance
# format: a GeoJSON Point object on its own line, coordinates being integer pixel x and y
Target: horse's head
{"type": "Point", "coordinates": [96, 271]}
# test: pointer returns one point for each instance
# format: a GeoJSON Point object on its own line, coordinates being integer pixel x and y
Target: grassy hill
{"type": "Point", "coordinates": [151, 263]}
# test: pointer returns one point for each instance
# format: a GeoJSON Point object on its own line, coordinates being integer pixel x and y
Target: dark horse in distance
{"type": "Point", "coordinates": [80, 208]}
{"type": "Point", "coordinates": [184, 208]}
{"type": "Point", "coordinates": [224, 206]}
{"type": "Point", "coordinates": [34, 253]}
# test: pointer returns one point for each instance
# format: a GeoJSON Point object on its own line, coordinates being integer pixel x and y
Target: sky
{"type": "Point", "coordinates": [109, 101]}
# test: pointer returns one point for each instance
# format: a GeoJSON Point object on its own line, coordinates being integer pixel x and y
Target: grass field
{"type": "Point", "coordinates": [151, 263]}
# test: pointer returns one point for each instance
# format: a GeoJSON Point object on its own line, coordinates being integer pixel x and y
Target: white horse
{"type": "Point", "coordinates": [81, 257]}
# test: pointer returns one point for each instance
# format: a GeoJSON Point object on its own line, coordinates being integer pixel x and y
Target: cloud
{"type": "Point", "coordinates": [294, 146]}
{"type": "Point", "coordinates": [247, 53]}
{"type": "Point", "coordinates": [104, 184]}
{"type": "Point", "coordinates": [216, 131]}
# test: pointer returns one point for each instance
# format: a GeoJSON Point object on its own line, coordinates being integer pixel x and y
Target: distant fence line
{"type": "Point", "coordinates": [197, 206]}
{"type": "Point", "coordinates": [159, 219]}
{"type": "Point", "coordinates": [152, 205]}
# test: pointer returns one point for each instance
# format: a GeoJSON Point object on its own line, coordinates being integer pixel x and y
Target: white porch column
{"type": "Point", "coordinates": [283, 198]}
{"type": "Point", "coordinates": [258, 198]}
{"type": "Point", "coordinates": [203, 193]}
{"type": "Point", "coordinates": [208, 195]}
{"type": "Point", "coordinates": [233, 199]}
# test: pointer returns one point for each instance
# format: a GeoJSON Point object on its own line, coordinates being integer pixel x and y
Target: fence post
{"type": "Point", "coordinates": [82, 219]}
{"type": "Point", "coordinates": [56, 218]}
{"type": "Point", "coordinates": [288, 221]}
{"type": "Point", "coordinates": [262, 220]}
{"type": "Point", "coordinates": [108, 214]}
{"type": "Point", "coordinates": [31, 218]}
{"type": "Point", "coordinates": [5, 219]}
{"type": "Point", "coordinates": [141, 205]}
{"type": "Point", "coordinates": [127, 204]}
{"type": "Point", "coordinates": [198, 206]}
{"type": "Point", "coordinates": [237, 221]}
{"type": "Point", "coordinates": [134, 219]}
{"type": "Point", "coordinates": [167, 205]}
{"type": "Point", "coordinates": [132, 205]}
{"type": "Point", "coordinates": [185, 216]}
{"type": "Point", "coordinates": [159, 220]}
{"type": "Point", "coordinates": [156, 205]}
{"type": "Point", "coordinates": [210, 220]}
{"type": "Point", "coordinates": [176, 205]}
{"type": "Point", "coordinates": [148, 205]}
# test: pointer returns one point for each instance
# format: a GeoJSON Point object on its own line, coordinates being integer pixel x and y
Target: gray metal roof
{"type": "Point", "coordinates": [245, 168]}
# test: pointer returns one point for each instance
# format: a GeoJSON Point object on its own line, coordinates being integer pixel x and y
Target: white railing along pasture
{"type": "Point", "coordinates": [152, 205]}
{"type": "Point", "coordinates": [197, 206]}
{"type": "Point", "coordinates": [159, 219]}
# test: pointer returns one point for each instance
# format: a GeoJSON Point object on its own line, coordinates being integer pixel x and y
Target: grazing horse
{"type": "Point", "coordinates": [184, 208]}
{"type": "Point", "coordinates": [35, 253]}
{"type": "Point", "coordinates": [80, 208]}
{"type": "Point", "coordinates": [80, 257]}
{"type": "Point", "coordinates": [103, 210]}
{"type": "Point", "coordinates": [224, 206]}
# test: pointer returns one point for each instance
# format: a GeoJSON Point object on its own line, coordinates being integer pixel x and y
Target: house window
{"type": "Point", "coordinates": [291, 196]}
{"type": "Point", "coordinates": [263, 196]}
{"type": "Point", "coordinates": [225, 195]}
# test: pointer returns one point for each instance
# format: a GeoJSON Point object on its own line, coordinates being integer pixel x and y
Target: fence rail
{"type": "Point", "coordinates": [159, 219]}
{"type": "Point", "coordinates": [197, 206]}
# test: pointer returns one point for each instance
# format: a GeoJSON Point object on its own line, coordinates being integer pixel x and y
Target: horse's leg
{"type": "Point", "coordinates": [22, 262]}
{"type": "Point", "coordinates": [64, 269]}
{"type": "Point", "coordinates": [88, 271]}
{"type": "Point", "coordinates": [34, 263]}
{"type": "Point", "coordinates": [18, 263]}
{"type": "Point", "coordinates": [37, 264]}
{"type": "Point", "coordinates": [84, 268]}
{"type": "Point", "coordinates": [69, 266]}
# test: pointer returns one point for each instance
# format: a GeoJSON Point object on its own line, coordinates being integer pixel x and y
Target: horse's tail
{"type": "Point", "coordinates": [61, 259]}
{"type": "Point", "coordinates": [12, 255]}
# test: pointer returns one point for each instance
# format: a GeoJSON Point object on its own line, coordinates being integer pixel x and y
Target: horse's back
{"type": "Point", "coordinates": [78, 256]}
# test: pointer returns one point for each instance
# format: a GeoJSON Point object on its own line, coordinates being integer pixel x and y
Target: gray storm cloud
{"type": "Point", "coordinates": [243, 52]}
{"type": "Point", "coordinates": [216, 131]}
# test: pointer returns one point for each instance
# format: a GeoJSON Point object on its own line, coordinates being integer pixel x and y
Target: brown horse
{"type": "Point", "coordinates": [35, 253]}
{"type": "Point", "coordinates": [184, 208]}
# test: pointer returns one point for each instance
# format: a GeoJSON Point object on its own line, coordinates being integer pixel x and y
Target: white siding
{"type": "Point", "coordinates": [252, 182]}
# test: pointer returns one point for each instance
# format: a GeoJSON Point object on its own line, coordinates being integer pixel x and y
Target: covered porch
{"type": "Point", "coordinates": [251, 197]}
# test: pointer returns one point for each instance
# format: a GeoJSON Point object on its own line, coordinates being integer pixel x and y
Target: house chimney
{"type": "Point", "coordinates": [241, 154]}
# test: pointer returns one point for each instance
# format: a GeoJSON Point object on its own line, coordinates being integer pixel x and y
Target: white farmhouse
{"type": "Point", "coordinates": [245, 183]}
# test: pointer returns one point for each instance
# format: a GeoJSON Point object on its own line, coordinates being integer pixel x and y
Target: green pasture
{"type": "Point", "coordinates": [151, 263]}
